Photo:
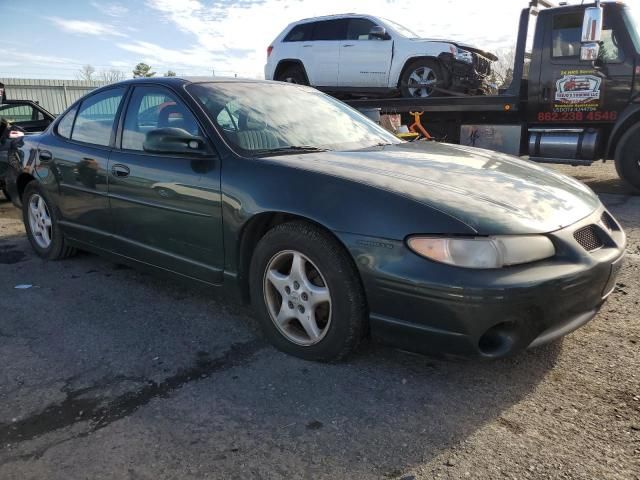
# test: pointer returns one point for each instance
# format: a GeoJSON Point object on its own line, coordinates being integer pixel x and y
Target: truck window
{"type": "Point", "coordinates": [330, 30]}
{"type": "Point", "coordinates": [631, 19]}
{"type": "Point", "coordinates": [567, 33]}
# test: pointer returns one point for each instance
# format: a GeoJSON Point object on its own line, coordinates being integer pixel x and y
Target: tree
{"type": "Point", "coordinates": [170, 73]}
{"type": "Point", "coordinates": [111, 76]}
{"type": "Point", "coordinates": [502, 69]}
{"type": "Point", "coordinates": [86, 72]}
{"type": "Point", "coordinates": [143, 70]}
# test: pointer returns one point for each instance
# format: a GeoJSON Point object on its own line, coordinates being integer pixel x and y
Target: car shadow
{"type": "Point", "coordinates": [120, 340]}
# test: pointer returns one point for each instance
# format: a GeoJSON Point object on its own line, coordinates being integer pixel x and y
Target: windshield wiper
{"type": "Point", "coordinates": [289, 149]}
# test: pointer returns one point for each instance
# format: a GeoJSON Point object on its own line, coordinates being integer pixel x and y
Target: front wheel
{"type": "Point", "coordinates": [628, 157]}
{"type": "Point", "coordinates": [422, 79]}
{"type": "Point", "coordinates": [293, 74]}
{"type": "Point", "coordinates": [41, 222]}
{"type": "Point", "coordinates": [307, 293]}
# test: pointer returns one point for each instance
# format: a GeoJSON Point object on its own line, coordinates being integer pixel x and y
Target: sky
{"type": "Point", "coordinates": [55, 38]}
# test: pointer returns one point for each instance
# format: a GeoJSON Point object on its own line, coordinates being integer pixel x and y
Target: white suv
{"type": "Point", "coordinates": [364, 54]}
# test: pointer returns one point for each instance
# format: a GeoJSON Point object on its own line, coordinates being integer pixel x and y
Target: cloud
{"type": "Point", "coordinates": [111, 9]}
{"type": "Point", "coordinates": [86, 27]}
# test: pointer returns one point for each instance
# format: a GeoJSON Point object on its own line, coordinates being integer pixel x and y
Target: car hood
{"type": "Point", "coordinates": [491, 56]}
{"type": "Point", "coordinates": [490, 192]}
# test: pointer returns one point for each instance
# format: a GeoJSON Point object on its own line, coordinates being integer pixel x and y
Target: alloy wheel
{"type": "Point", "coordinates": [297, 297]}
{"type": "Point", "coordinates": [422, 82]}
{"type": "Point", "coordinates": [40, 221]}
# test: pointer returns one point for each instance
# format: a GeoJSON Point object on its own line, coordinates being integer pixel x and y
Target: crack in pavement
{"type": "Point", "coordinates": [100, 412]}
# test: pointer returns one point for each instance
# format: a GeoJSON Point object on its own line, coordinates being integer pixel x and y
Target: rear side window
{"type": "Point", "coordinates": [330, 30]}
{"type": "Point", "coordinates": [300, 33]}
{"type": "Point", "coordinates": [96, 117]}
{"type": "Point", "coordinates": [359, 29]}
{"type": "Point", "coordinates": [66, 123]}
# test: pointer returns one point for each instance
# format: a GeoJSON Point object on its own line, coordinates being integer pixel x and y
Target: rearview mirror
{"type": "Point", "coordinates": [378, 32]}
{"type": "Point", "coordinates": [592, 25]}
{"type": "Point", "coordinates": [173, 140]}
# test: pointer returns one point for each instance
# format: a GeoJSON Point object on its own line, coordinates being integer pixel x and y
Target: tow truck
{"type": "Point", "coordinates": [574, 98]}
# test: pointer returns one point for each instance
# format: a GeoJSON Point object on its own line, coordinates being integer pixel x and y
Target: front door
{"type": "Point", "coordinates": [166, 208]}
{"type": "Point", "coordinates": [364, 60]}
{"type": "Point", "coordinates": [574, 91]}
{"type": "Point", "coordinates": [78, 154]}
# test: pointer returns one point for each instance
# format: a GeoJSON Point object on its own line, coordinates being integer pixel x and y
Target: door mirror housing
{"type": "Point", "coordinates": [592, 25]}
{"type": "Point", "coordinates": [378, 32]}
{"type": "Point", "coordinates": [589, 52]}
{"type": "Point", "coordinates": [174, 140]}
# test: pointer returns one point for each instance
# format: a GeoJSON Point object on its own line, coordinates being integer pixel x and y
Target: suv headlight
{"type": "Point", "coordinates": [462, 55]}
{"type": "Point", "coordinates": [483, 252]}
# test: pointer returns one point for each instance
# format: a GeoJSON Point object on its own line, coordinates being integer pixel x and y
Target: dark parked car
{"type": "Point", "coordinates": [332, 227]}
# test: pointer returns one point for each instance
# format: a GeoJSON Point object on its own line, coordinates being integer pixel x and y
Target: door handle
{"type": "Point", "coordinates": [307, 46]}
{"type": "Point", "coordinates": [349, 45]}
{"type": "Point", "coordinates": [119, 170]}
{"type": "Point", "coordinates": [45, 155]}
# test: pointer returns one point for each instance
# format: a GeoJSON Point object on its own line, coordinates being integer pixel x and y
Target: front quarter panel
{"type": "Point", "coordinates": [405, 50]}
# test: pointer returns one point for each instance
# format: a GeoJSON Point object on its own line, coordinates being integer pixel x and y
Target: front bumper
{"type": "Point", "coordinates": [470, 78]}
{"type": "Point", "coordinates": [424, 306]}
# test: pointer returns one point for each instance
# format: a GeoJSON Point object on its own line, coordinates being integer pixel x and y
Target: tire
{"type": "Point", "coordinates": [432, 72]}
{"type": "Point", "coordinates": [5, 193]}
{"type": "Point", "coordinates": [39, 216]}
{"type": "Point", "coordinates": [293, 74]}
{"type": "Point", "coordinates": [627, 157]}
{"type": "Point", "coordinates": [329, 287]}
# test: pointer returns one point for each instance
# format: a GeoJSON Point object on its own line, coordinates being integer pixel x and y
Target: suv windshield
{"type": "Point", "coordinates": [401, 29]}
{"type": "Point", "coordinates": [631, 19]}
{"type": "Point", "coordinates": [261, 119]}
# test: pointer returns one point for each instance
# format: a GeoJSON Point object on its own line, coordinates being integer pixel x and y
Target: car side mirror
{"type": "Point", "coordinates": [592, 25]}
{"type": "Point", "coordinates": [378, 32]}
{"type": "Point", "coordinates": [173, 140]}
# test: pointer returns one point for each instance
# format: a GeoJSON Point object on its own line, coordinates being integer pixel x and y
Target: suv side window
{"type": "Point", "coordinates": [151, 108]}
{"type": "Point", "coordinates": [567, 33]}
{"type": "Point", "coordinates": [95, 119]}
{"type": "Point", "coordinates": [359, 29]}
{"type": "Point", "coordinates": [330, 30]}
{"type": "Point", "coordinates": [300, 33]}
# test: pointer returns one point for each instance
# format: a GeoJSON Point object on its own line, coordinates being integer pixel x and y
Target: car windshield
{"type": "Point", "coordinates": [632, 19]}
{"type": "Point", "coordinates": [401, 29]}
{"type": "Point", "coordinates": [262, 119]}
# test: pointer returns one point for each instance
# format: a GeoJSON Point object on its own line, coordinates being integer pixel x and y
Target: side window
{"type": "Point", "coordinates": [359, 29]}
{"type": "Point", "coordinates": [229, 117]}
{"type": "Point", "coordinates": [567, 33]}
{"type": "Point", "coordinates": [66, 123]}
{"type": "Point", "coordinates": [151, 108]}
{"type": "Point", "coordinates": [330, 30]}
{"type": "Point", "coordinates": [95, 119]}
{"type": "Point", "coordinates": [18, 113]}
{"type": "Point", "coordinates": [300, 33]}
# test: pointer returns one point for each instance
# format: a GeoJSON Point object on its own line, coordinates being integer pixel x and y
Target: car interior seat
{"type": "Point", "coordinates": [254, 135]}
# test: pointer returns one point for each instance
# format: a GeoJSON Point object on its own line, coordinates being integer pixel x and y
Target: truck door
{"type": "Point", "coordinates": [572, 91]}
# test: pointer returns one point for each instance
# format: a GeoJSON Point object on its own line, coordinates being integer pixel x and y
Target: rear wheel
{"type": "Point", "coordinates": [41, 222]}
{"type": "Point", "coordinates": [421, 79]}
{"type": "Point", "coordinates": [293, 74]}
{"type": "Point", "coordinates": [628, 157]}
{"type": "Point", "coordinates": [307, 293]}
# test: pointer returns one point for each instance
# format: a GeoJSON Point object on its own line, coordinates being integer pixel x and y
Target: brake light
{"type": "Point", "coordinates": [269, 50]}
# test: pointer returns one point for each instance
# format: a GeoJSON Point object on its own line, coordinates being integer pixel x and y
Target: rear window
{"type": "Point", "coordinates": [330, 30]}
{"type": "Point", "coordinates": [300, 33]}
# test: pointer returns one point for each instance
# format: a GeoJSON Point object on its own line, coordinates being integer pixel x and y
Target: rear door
{"type": "Point", "coordinates": [321, 56]}
{"type": "Point", "coordinates": [166, 208]}
{"type": "Point", "coordinates": [77, 154]}
{"type": "Point", "coordinates": [364, 60]}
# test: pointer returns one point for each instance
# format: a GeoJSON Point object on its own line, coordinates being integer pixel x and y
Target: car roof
{"type": "Point", "coordinates": [179, 81]}
{"type": "Point", "coordinates": [334, 17]}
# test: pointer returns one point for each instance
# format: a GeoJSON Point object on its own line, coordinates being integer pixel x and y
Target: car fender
{"type": "Point", "coordinates": [405, 53]}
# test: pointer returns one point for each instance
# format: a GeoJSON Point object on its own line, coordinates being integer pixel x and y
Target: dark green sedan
{"type": "Point", "coordinates": [334, 229]}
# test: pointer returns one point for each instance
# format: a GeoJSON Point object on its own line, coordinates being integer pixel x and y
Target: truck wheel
{"type": "Point", "coordinates": [628, 157]}
{"type": "Point", "coordinates": [293, 74]}
{"type": "Point", "coordinates": [421, 78]}
{"type": "Point", "coordinates": [307, 293]}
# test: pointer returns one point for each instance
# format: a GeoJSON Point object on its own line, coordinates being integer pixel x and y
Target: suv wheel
{"type": "Point", "coordinates": [421, 78]}
{"type": "Point", "coordinates": [307, 293]}
{"type": "Point", "coordinates": [293, 74]}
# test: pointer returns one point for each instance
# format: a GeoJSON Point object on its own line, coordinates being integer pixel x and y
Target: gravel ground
{"type": "Point", "coordinates": [107, 372]}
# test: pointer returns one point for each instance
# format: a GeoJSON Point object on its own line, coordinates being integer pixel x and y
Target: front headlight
{"type": "Point", "coordinates": [462, 55]}
{"type": "Point", "coordinates": [483, 252]}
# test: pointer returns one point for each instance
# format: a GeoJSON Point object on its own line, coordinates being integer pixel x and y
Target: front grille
{"type": "Point", "coordinates": [588, 238]}
{"type": "Point", "coordinates": [482, 65]}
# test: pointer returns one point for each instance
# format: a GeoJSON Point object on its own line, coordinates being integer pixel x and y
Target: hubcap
{"type": "Point", "coordinates": [297, 297]}
{"type": "Point", "coordinates": [40, 221]}
{"type": "Point", "coordinates": [422, 82]}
